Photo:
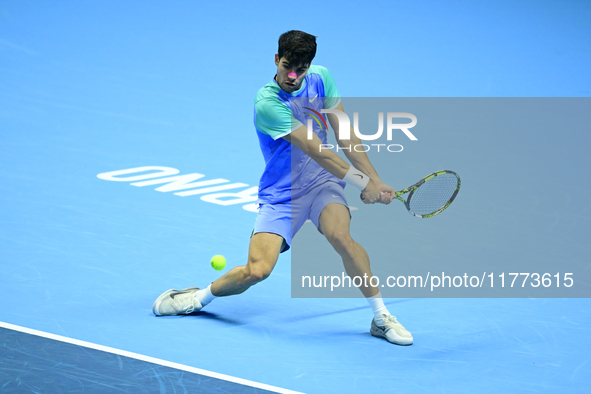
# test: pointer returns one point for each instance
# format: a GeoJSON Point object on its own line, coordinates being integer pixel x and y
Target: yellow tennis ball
{"type": "Point", "coordinates": [218, 262]}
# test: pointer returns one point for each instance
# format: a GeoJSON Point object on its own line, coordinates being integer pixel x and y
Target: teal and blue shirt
{"type": "Point", "coordinates": [289, 172]}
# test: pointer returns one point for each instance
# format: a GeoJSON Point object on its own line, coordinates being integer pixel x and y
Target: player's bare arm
{"type": "Point", "coordinates": [360, 161]}
{"type": "Point", "coordinates": [331, 162]}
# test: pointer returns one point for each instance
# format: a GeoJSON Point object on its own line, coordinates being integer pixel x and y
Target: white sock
{"type": "Point", "coordinates": [377, 305]}
{"type": "Point", "coordinates": [204, 296]}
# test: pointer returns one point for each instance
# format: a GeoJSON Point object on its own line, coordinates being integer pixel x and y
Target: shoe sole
{"type": "Point", "coordinates": [402, 342]}
{"type": "Point", "coordinates": [162, 296]}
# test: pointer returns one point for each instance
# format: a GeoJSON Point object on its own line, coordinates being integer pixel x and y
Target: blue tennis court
{"type": "Point", "coordinates": [130, 89]}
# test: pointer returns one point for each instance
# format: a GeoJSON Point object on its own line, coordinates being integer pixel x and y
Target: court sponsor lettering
{"type": "Point", "coordinates": [185, 185]}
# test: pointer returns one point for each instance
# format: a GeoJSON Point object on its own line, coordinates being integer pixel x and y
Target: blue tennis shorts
{"type": "Point", "coordinates": [287, 218]}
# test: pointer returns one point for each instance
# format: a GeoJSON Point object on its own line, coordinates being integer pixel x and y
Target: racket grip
{"type": "Point", "coordinates": [363, 198]}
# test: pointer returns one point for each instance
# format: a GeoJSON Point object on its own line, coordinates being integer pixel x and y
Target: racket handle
{"type": "Point", "coordinates": [363, 198]}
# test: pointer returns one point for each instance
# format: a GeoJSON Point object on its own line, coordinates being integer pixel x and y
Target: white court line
{"type": "Point", "coordinates": [153, 360]}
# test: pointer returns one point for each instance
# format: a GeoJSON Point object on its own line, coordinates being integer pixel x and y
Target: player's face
{"type": "Point", "coordinates": [290, 76]}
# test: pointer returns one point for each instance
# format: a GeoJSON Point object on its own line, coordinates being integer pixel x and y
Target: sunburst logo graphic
{"type": "Point", "coordinates": [317, 118]}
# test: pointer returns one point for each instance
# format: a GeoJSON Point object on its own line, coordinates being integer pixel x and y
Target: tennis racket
{"type": "Point", "coordinates": [431, 195]}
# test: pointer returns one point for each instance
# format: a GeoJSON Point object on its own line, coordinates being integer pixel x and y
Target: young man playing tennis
{"type": "Point", "coordinates": [300, 182]}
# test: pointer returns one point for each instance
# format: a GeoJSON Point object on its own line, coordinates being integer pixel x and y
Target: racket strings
{"type": "Point", "coordinates": [434, 194]}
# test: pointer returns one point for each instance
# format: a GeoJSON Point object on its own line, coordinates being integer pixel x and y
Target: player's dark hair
{"type": "Point", "coordinates": [297, 47]}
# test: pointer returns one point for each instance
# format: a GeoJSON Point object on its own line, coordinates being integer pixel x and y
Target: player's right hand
{"type": "Point", "coordinates": [385, 196]}
{"type": "Point", "coordinates": [387, 193]}
{"type": "Point", "coordinates": [371, 194]}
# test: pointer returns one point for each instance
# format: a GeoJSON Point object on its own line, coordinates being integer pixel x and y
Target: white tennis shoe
{"type": "Point", "coordinates": [388, 327]}
{"type": "Point", "coordinates": [177, 302]}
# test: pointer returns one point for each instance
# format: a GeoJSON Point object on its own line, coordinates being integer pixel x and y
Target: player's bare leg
{"type": "Point", "coordinates": [263, 253]}
{"type": "Point", "coordinates": [334, 222]}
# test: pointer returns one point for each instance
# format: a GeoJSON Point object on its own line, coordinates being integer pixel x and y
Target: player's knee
{"type": "Point", "coordinates": [341, 241]}
{"type": "Point", "coordinates": [261, 275]}
{"type": "Point", "coordinates": [257, 275]}
{"type": "Point", "coordinates": [257, 272]}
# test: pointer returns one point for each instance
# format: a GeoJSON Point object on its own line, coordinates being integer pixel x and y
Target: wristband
{"type": "Point", "coordinates": [356, 178]}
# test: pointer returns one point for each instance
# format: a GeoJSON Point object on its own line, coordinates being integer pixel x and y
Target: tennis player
{"type": "Point", "coordinates": [300, 182]}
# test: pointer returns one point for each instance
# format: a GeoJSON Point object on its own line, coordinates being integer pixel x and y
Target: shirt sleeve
{"type": "Point", "coordinates": [331, 93]}
{"type": "Point", "coordinates": [274, 118]}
